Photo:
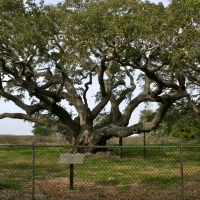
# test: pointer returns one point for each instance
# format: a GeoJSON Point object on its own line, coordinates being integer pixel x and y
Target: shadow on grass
{"type": "Point", "coordinates": [109, 182]}
{"type": "Point", "coordinates": [161, 182]}
{"type": "Point", "coordinates": [11, 186]}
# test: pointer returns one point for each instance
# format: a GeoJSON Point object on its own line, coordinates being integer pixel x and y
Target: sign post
{"type": "Point", "coordinates": [71, 159]}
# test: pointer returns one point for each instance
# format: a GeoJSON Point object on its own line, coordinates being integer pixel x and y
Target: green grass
{"type": "Point", "coordinates": [124, 188]}
{"type": "Point", "coordinates": [9, 185]}
{"type": "Point", "coordinates": [160, 169]}
{"type": "Point", "coordinates": [167, 181]}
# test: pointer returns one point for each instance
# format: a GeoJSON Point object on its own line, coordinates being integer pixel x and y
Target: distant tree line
{"type": "Point", "coordinates": [180, 121]}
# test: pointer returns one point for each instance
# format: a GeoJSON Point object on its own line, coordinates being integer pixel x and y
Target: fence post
{"type": "Point", "coordinates": [71, 166]}
{"type": "Point", "coordinates": [145, 151]}
{"type": "Point", "coordinates": [120, 149]}
{"type": "Point", "coordinates": [181, 172]}
{"type": "Point", "coordinates": [33, 171]}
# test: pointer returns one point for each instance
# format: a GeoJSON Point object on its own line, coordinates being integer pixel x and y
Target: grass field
{"type": "Point", "coordinates": [14, 139]}
{"type": "Point", "coordinates": [101, 176]}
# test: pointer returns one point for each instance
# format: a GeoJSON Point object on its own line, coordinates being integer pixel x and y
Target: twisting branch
{"type": "Point", "coordinates": [115, 111]}
{"type": "Point", "coordinates": [142, 97]}
{"type": "Point", "coordinates": [1, 85]}
{"type": "Point", "coordinates": [117, 131]}
{"type": "Point", "coordinates": [147, 85]}
{"type": "Point", "coordinates": [44, 121]}
{"type": "Point", "coordinates": [101, 74]}
{"type": "Point", "coordinates": [127, 90]}
{"type": "Point", "coordinates": [133, 86]}
{"type": "Point", "coordinates": [180, 77]}
{"type": "Point", "coordinates": [193, 105]}
{"type": "Point", "coordinates": [86, 88]}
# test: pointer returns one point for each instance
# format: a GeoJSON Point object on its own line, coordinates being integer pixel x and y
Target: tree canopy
{"type": "Point", "coordinates": [130, 51]}
{"type": "Point", "coordinates": [180, 121]}
{"type": "Point", "coordinates": [39, 129]}
{"type": "Point", "coordinates": [146, 115]}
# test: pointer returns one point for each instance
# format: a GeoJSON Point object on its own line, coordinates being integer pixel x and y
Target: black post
{"type": "Point", "coordinates": [181, 170]}
{"type": "Point", "coordinates": [33, 172]}
{"type": "Point", "coordinates": [145, 153]}
{"type": "Point", "coordinates": [120, 149]}
{"type": "Point", "coordinates": [71, 166]}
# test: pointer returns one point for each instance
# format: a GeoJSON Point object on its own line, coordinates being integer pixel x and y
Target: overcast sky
{"type": "Point", "coordinates": [19, 127]}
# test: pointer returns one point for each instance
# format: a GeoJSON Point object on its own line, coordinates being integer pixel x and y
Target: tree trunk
{"type": "Point", "coordinates": [86, 143]}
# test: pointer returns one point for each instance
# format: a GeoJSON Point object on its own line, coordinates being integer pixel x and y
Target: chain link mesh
{"type": "Point", "coordinates": [15, 172]}
{"type": "Point", "coordinates": [129, 172]}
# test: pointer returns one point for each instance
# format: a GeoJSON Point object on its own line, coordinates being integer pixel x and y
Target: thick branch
{"type": "Point", "coordinates": [127, 90]}
{"type": "Point", "coordinates": [44, 121]}
{"type": "Point", "coordinates": [115, 112]}
{"type": "Point", "coordinates": [97, 109]}
{"type": "Point", "coordinates": [100, 76]}
{"type": "Point", "coordinates": [65, 117]}
{"type": "Point", "coordinates": [181, 78]}
{"type": "Point", "coordinates": [29, 109]}
{"type": "Point", "coordinates": [105, 91]}
{"type": "Point", "coordinates": [117, 131]}
{"type": "Point", "coordinates": [194, 106]}
{"type": "Point", "coordinates": [160, 84]}
{"type": "Point", "coordinates": [1, 85]}
{"type": "Point", "coordinates": [86, 88]}
{"type": "Point", "coordinates": [131, 107]}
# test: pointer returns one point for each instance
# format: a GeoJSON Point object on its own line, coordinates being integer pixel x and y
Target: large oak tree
{"type": "Point", "coordinates": [131, 51]}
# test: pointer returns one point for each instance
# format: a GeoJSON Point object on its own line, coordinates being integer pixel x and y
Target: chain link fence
{"type": "Point", "coordinates": [122, 173]}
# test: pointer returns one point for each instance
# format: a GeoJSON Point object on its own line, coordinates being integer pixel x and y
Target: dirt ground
{"type": "Point", "coordinates": [58, 189]}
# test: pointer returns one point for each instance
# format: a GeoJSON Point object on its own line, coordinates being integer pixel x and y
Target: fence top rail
{"type": "Point", "coordinates": [100, 147]}
{"type": "Point", "coordinates": [28, 145]}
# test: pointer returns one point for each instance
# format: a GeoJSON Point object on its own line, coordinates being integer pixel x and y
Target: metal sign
{"type": "Point", "coordinates": [67, 158]}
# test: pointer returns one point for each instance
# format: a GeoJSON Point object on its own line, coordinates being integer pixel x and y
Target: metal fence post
{"type": "Point", "coordinates": [181, 172]}
{"type": "Point", "coordinates": [33, 172]}
{"type": "Point", "coordinates": [120, 149]}
{"type": "Point", "coordinates": [145, 151]}
{"type": "Point", "coordinates": [71, 166]}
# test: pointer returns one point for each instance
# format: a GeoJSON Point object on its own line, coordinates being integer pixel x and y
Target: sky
{"type": "Point", "coordinates": [19, 127]}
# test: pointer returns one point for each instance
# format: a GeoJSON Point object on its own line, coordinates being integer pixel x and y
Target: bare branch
{"type": "Point", "coordinates": [117, 131]}
{"type": "Point", "coordinates": [194, 106]}
{"type": "Point", "coordinates": [43, 121]}
{"type": "Point", "coordinates": [142, 97]}
{"type": "Point", "coordinates": [97, 109]}
{"type": "Point", "coordinates": [1, 85]}
{"type": "Point", "coordinates": [100, 76]}
{"type": "Point", "coordinates": [86, 88]}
